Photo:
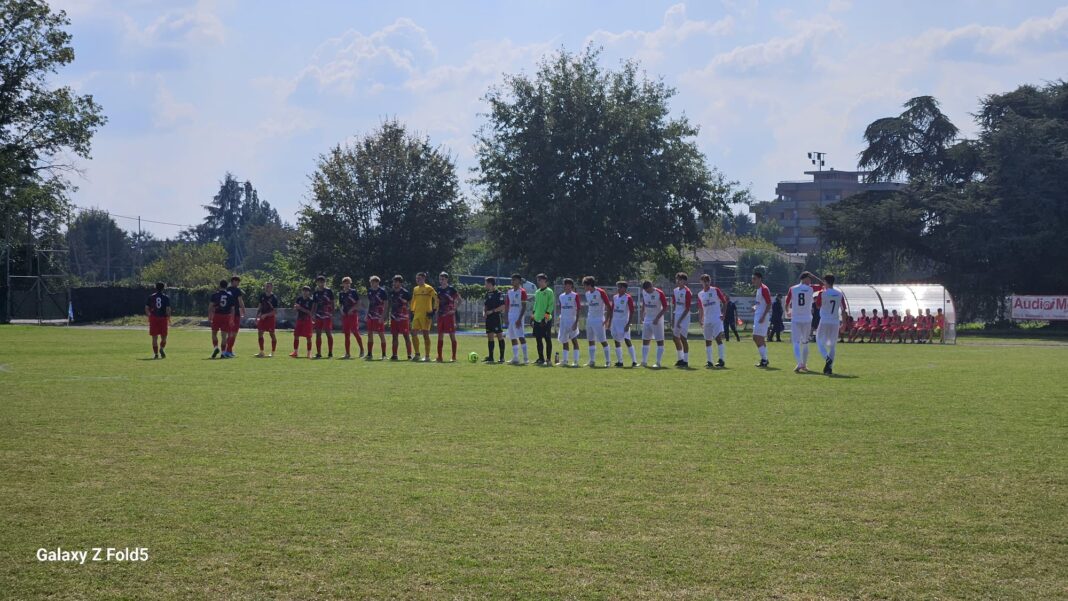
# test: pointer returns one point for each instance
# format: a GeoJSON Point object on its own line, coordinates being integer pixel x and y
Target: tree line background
{"type": "Point", "coordinates": [582, 169]}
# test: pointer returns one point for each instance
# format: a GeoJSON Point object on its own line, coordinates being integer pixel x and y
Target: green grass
{"type": "Point", "coordinates": [922, 472]}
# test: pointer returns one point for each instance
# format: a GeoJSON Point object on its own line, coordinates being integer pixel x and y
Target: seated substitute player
{"type": "Point", "coordinates": [350, 316]}
{"type": "Point", "coordinates": [859, 326]}
{"type": "Point", "coordinates": [711, 305]}
{"type": "Point", "coordinates": [569, 304]}
{"type": "Point", "coordinates": [654, 306]}
{"type": "Point", "coordinates": [845, 327]}
{"type": "Point", "coordinates": [399, 315]}
{"type": "Point", "coordinates": [622, 313]}
{"type": "Point", "coordinates": [940, 326]}
{"type": "Point", "coordinates": [680, 319]}
{"type": "Point", "coordinates": [542, 320]}
{"type": "Point", "coordinates": [323, 299]}
{"type": "Point", "coordinates": [424, 304]}
{"type": "Point", "coordinates": [220, 315]}
{"type": "Point", "coordinates": [832, 305]}
{"type": "Point", "coordinates": [761, 315]}
{"type": "Point", "coordinates": [923, 325]}
{"type": "Point", "coordinates": [492, 311]}
{"type": "Point", "coordinates": [158, 311]}
{"type": "Point", "coordinates": [377, 299]}
{"type": "Point", "coordinates": [598, 312]}
{"type": "Point", "coordinates": [304, 306]}
{"type": "Point", "coordinates": [799, 301]}
{"type": "Point", "coordinates": [238, 298]}
{"type": "Point", "coordinates": [265, 318]}
{"type": "Point", "coordinates": [448, 300]}
{"type": "Point", "coordinates": [515, 307]}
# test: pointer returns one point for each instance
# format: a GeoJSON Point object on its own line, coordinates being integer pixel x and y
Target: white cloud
{"type": "Point", "coordinates": [169, 111]}
{"type": "Point", "coordinates": [778, 50]}
{"type": "Point", "coordinates": [677, 27]}
{"type": "Point", "coordinates": [980, 42]}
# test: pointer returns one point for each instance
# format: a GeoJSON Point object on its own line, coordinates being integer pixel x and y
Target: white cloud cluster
{"type": "Point", "coordinates": [677, 27]}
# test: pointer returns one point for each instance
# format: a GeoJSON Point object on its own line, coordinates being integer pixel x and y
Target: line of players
{"type": "Point", "coordinates": [412, 311]}
{"type": "Point", "coordinates": [891, 327]}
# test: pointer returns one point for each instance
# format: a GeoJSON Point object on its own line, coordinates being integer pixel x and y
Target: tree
{"type": "Point", "coordinates": [42, 127]}
{"type": "Point", "coordinates": [585, 168]}
{"type": "Point", "coordinates": [263, 241]}
{"type": "Point", "coordinates": [99, 249]}
{"type": "Point", "coordinates": [389, 203]}
{"type": "Point", "coordinates": [779, 273]}
{"type": "Point", "coordinates": [189, 265]}
{"type": "Point", "coordinates": [232, 214]}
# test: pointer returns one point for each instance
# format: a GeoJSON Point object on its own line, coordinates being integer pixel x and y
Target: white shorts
{"type": "Point", "coordinates": [595, 330]}
{"type": "Point", "coordinates": [828, 331]}
{"type": "Point", "coordinates": [800, 331]}
{"type": "Point", "coordinates": [683, 328]}
{"type": "Point", "coordinates": [568, 330]}
{"type": "Point", "coordinates": [620, 331]}
{"type": "Point", "coordinates": [761, 329]}
{"type": "Point", "coordinates": [653, 331]}
{"type": "Point", "coordinates": [514, 332]}
{"type": "Point", "coordinates": [713, 330]}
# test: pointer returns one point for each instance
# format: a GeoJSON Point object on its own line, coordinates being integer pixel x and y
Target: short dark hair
{"type": "Point", "coordinates": [621, 284]}
{"type": "Point", "coordinates": [320, 278]}
{"type": "Point", "coordinates": [223, 283]}
{"type": "Point", "coordinates": [305, 289]}
{"type": "Point", "coordinates": [160, 286]}
{"type": "Point", "coordinates": [235, 278]}
{"type": "Point", "coordinates": [421, 274]}
{"type": "Point", "coordinates": [491, 280]}
{"type": "Point", "coordinates": [541, 276]}
{"type": "Point", "coordinates": [398, 278]}
{"type": "Point", "coordinates": [758, 274]}
{"type": "Point", "coordinates": [569, 281]}
{"type": "Point", "coordinates": [647, 284]}
{"type": "Point", "coordinates": [444, 274]}
{"type": "Point", "coordinates": [805, 274]}
{"type": "Point", "coordinates": [705, 277]}
{"type": "Point", "coordinates": [829, 278]}
{"type": "Point", "coordinates": [516, 276]}
{"type": "Point", "coordinates": [589, 281]}
{"type": "Point", "coordinates": [682, 276]}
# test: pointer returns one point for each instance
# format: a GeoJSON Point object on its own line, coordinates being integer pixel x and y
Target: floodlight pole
{"type": "Point", "coordinates": [817, 159]}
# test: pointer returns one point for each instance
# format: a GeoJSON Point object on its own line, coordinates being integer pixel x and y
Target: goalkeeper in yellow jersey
{"type": "Point", "coordinates": [424, 305]}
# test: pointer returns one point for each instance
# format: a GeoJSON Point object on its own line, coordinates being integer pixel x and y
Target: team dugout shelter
{"type": "Point", "coordinates": [915, 297]}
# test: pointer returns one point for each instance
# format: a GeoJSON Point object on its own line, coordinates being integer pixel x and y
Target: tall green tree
{"type": "Point", "coordinates": [389, 203]}
{"type": "Point", "coordinates": [43, 127]}
{"type": "Point", "coordinates": [233, 213]}
{"type": "Point", "coordinates": [99, 250]}
{"type": "Point", "coordinates": [189, 265]}
{"type": "Point", "coordinates": [585, 168]}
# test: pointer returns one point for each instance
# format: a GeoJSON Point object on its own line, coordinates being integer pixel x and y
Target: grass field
{"type": "Point", "coordinates": [921, 472]}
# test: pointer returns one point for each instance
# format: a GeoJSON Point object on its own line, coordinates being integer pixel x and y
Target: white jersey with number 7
{"type": "Point", "coordinates": [831, 301]}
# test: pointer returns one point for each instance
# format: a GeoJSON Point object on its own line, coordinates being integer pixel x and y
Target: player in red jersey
{"type": "Point", "coordinates": [323, 301]}
{"type": "Point", "coordinates": [377, 299]}
{"type": "Point", "coordinates": [448, 300]}
{"type": "Point", "coordinates": [220, 316]}
{"type": "Point", "coordinates": [303, 326]}
{"type": "Point", "coordinates": [399, 315]}
{"type": "Point", "coordinates": [350, 316]}
{"type": "Point", "coordinates": [860, 326]}
{"type": "Point", "coordinates": [238, 297]}
{"type": "Point", "coordinates": [265, 318]}
{"type": "Point", "coordinates": [158, 310]}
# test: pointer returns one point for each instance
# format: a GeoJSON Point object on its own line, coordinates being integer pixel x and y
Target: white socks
{"type": "Point", "coordinates": [722, 350]}
{"type": "Point", "coordinates": [525, 356]}
{"type": "Point", "coordinates": [708, 353]}
{"type": "Point", "coordinates": [763, 353]}
{"type": "Point", "coordinates": [632, 359]}
{"type": "Point", "coordinates": [659, 353]}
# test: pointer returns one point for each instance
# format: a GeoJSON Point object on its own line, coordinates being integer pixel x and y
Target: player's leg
{"type": "Point", "coordinates": [795, 338]}
{"type": "Point", "coordinates": [329, 329]}
{"type": "Point", "coordinates": [721, 350]}
{"type": "Point", "coordinates": [396, 334]}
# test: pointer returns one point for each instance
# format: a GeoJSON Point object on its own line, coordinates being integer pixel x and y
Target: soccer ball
{"type": "Point", "coordinates": [472, 357]}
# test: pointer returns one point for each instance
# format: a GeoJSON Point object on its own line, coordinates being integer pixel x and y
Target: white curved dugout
{"type": "Point", "coordinates": [914, 297]}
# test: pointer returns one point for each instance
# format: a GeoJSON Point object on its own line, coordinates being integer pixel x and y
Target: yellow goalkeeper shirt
{"type": "Point", "coordinates": [424, 300]}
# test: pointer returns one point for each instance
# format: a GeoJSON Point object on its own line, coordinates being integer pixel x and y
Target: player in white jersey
{"type": "Point", "coordinates": [568, 304]}
{"type": "Point", "coordinates": [761, 313]}
{"type": "Point", "coordinates": [654, 305]}
{"type": "Point", "coordinates": [832, 304]}
{"type": "Point", "coordinates": [680, 319]}
{"type": "Point", "coordinates": [516, 305]}
{"type": "Point", "coordinates": [622, 312]}
{"type": "Point", "coordinates": [799, 301]}
{"type": "Point", "coordinates": [598, 312]}
{"type": "Point", "coordinates": [711, 303]}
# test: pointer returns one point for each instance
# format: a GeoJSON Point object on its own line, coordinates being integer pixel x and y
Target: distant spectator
{"type": "Point", "coordinates": [777, 326]}
{"type": "Point", "coordinates": [730, 321]}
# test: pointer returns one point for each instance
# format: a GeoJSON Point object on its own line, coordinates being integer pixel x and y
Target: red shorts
{"type": "Point", "coordinates": [222, 322]}
{"type": "Point", "coordinates": [447, 324]}
{"type": "Point", "coordinates": [350, 323]}
{"type": "Point", "coordinates": [397, 326]}
{"type": "Point", "coordinates": [375, 325]}
{"type": "Point", "coordinates": [303, 327]}
{"type": "Point", "coordinates": [236, 324]}
{"type": "Point", "coordinates": [157, 326]}
{"type": "Point", "coordinates": [324, 324]}
{"type": "Point", "coordinates": [265, 324]}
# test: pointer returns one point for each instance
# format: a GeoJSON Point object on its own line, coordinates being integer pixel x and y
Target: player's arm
{"type": "Point", "coordinates": [148, 308]}
{"type": "Point", "coordinates": [843, 310]}
{"type": "Point", "coordinates": [241, 306]}
{"type": "Point", "coordinates": [723, 302]}
{"type": "Point", "coordinates": [788, 305]}
{"type": "Point", "coordinates": [609, 307]}
{"type": "Point", "coordinates": [767, 303]}
{"type": "Point", "coordinates": [700, 312]}
{"type": "Point", "coordinates": [168, 310]}
{"type": "Point", "coordinates": [663, 308]}
{"type": "Point", "coordinates": [211, 310]}
{"type": "Point", "coordinates": [435, 302]}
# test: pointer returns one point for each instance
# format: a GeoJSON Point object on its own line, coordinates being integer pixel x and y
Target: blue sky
{"type": "Point", "coordinates": [194, 89]}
